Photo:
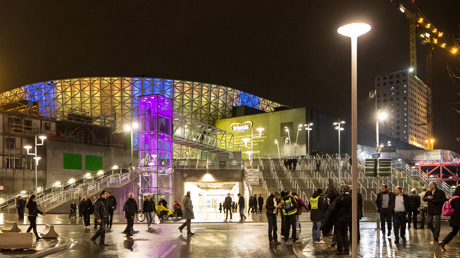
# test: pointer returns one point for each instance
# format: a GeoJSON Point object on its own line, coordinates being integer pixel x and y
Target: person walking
{"type": "Point", "coordinates": [130, 209]}
{"type": "Point", "coordinates": [254, 204]}
{"type": "Point", "coordinates": [251, 205]}
{"type": "Point", "coordinates": [383, 202]}
{"type": "Point", "coordinates": [261, 203]}
{"type": "Point", "coordinates": [399, 206]}
{"type": "Point", "coordinates": [20, 205]}
{"type": "Point", "coordinates": [228, 206]}
{"type": "Point", "coordinates": [343, 219]}
{"type": "Point", "coordinates": [290, 163]}
{"type": "Point", "coordinates": [241, 204]}
{"type": "Point", "coordinates": [436, 199]}
{"type": "Point", "coordinates": [300, 203]}
{"type": "Point", "coordinates": [101, 214]}
{"type": "Point", "coordinates": [294, 163]}
{"type": "Point", "coordinates": [188, 214]}
{"type": "Point", "coordinates": [220, 207]}
{"type": "Point", "coordinates": [286, 163]}
{"type": "Point", "coordinates": [148, 210]}
{"type": "Point", "coordinates": [316, 213]}
{"type": "Point", "coordinates": [92, 211]}
{"type": "Point", "coordinates": [86, 207]}
{"type": "Point", "coordinates": [272, 205]}
{"type": "Point", "coordinates": [454, 219]}
{"type": "Point", "coordinates": [111, 207]}
{"type": "Point", "coordinates": [318, 163]}
{"type": "Point", "coordinates": [414, 204]}
{"type": "Point", "coordinates": [289, 205]}
{"type": "Point", "coordinates": [423, 208]}
{"type": "Point", "coordinates": [33, 212]}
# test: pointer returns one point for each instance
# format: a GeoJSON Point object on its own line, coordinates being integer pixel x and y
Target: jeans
{"type": "Point", "coordinates": [242, 213]}
{"type": "Point", "coordinates": [399, 224]}
{"type": "Point", "coordinates": [110, 219]}
{"type": "Point", "coordinates": [340, 232]}
{"type": "Point", "coordinates": [437, 224]}
{"type": "Point", "coordinates": [412, 217]}
{"type": "Point", "coordinates": [260, 207]}
{"type": "Point", "coordinates": [33, 225]}
{"type": "Point", "coordinates": [316, 231]}
{"type": "Point", "coordinates": [385, 214]}
{"type": "Point", "coordinates": [272, 227]}
{"type": "Point", "coordinates": [227, 211]}
{"type": "Point", "coordinates": [100, 232]}
{"type": "Point", "coordinates": [86, 218]}
{"type": "Point", "coordinates": [21, 213]}
{"type": "Point", "coordinates": [186, 223]}
{"type": "Point", "coordinates": [289, 222]}
{"type": "Point", "coordinates": [297, 221]}
{"type": "Point", "coordinates": [423, 212]}
{"type": "Point", "coordinates": [451, 235]}
{"type": "Point", "coordinates": [130, 226]}
{"type": "Point", "coordinates": [149, 216]}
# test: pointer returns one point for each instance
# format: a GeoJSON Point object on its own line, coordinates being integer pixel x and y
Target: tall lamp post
{"type": "Point", "coordinates": [353, 31]}
{"type": "Point", "coordinates": [130, 128]}
{"type": "Point", "coordinates": [36, 158]}
{"type": "Point", "coordinates": [338, 127]}
{"type": "Point", "coordinates": [308, 129]}
{"type": "Point", "coordinates": [299, 128]}
{"type": "Point", "coordinates": [278, 146]}
{"type": "Point", "coordinates": [380, 116]}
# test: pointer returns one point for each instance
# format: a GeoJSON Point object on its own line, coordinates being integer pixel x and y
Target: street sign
{"type": "Point", "coordinates": [252, 176]}
{"type": "Point", "coordinates": [376, 156]}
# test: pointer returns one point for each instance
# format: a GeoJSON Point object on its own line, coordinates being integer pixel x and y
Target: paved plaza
{"type": "Point", "coordinates": [216, 238]}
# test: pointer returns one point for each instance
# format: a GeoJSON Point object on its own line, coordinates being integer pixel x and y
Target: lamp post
{"type": "Point", "coordinates": [36, 158]}
{"type": "Point", "coordinates": [308, 129]}
{"type": "Point", "coordinates": [130, 128]}
{"type": "Point", "coordinates": [380, 116]}
{"type": "Point", "coordinates": [297, 138]}
{"type": "Point", "coordinates": [278, 146]}
{"type": "Point", "coordinates": [338, 127]}
{"type": "Point", "coordinates": [353, 31]}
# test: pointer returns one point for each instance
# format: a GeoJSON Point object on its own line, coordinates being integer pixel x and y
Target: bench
{"type": "Point", "coordinates": [49, 232]}
{"type": "Point", "coordinates": [11, 227]}
{"type": "Point", "coordinates": [16, 240]}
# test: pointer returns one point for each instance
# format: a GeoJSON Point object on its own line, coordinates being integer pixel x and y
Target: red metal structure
{"type": "Point", "coordinates": [452, 170]}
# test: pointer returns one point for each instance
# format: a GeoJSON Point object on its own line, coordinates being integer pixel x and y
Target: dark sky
{"type": "Point", "coordinates": [286, 51]}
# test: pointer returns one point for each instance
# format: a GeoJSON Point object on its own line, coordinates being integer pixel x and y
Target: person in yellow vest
{"type": "Point", "coordinates": [316, 207]}
{"type": "Point", "coordinates": [289, 205]}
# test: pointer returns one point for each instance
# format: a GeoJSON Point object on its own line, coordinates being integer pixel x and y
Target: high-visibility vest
{"type": "Point", "coordinates": [314, 203]}
{"type": "Point", "coordinates": [285, 204]}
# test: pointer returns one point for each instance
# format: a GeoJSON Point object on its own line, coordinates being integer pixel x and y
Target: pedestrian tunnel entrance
{"type": "Point", "coordinates": [206, 196]}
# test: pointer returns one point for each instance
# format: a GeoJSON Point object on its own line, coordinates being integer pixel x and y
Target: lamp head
{"type": "Point", "coordinates": [354, 30]}
{"type": "Point", "coordinates": [27, 147]}
{"type": "Point", "coordinates": [127, 128]}
{"type": "Point", "coordinates": [37, 158]}
{"type": "Point", "coordinates": [260, 129]}
{"type": "Point", "coordinates": [382, 115]}
{"type": "Point", "coordinates": [42, 137]}
{"type": "Point", "coordinates": [276, 141]}
{"type": "Point", "coordinates": [115, 167]}
{"type": "Point", "coordinates": [135, 125]}
{"type": "Point", "coordinates": [245, 140]}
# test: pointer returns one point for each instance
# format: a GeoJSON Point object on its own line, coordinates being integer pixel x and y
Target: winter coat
{"type": "Point", "coordinates": [435, 204]}
{"type": "Point", "coordinates": [344, 207]}
{"type": "Point", "coordinates": [270, 204]}
{"type": "Point", "coordinates": [130, 208]}
{"type": "Point", "coordinates": [241, 202]}
{"type": "Point", "coordinates": [111, 202]}
{"type": "Point", "coordinates": [21, 204]}
{"type": "Point", "coordinates": [455, 218]}
{"type": "Point", "coordinates": [228, 202]}
{"type": "Point", "coordinates": [149, 205]}
{"type": "Point", "coordinates": [188, 208]}
{"type": "Point", "coordinates": [86, 206]}
{"type": "Point", "coordinates": [73, 206]}
{"type": "Point", "coordinates": [414, 202]}
{"type": "Point", "coordinates": [330, 215]}
{"type": "Point", "coordinates": [393, 204]}
{"type": "Point", "coordinates": [33, 209]}
{"type": "Point", "coordinates": [423, 203]}
{"type": "Point", "coordinates": [254, 201]}
{"type": "Point", "coordinates": [100, 209]}
{"type": "Point", "coordinates": [379, 200]}
{"type": "Point", "coordinates": [316, 214]}
{"type": "Point", "coordinates": [300, 204]}
{"type": "Point", "coordinates": [261, 201]}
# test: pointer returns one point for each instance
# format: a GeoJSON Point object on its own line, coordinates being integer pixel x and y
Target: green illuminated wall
{"type": "Point", "coordinates": [93, 163]}
{"type": "Point", "coordinates": [72, 161]}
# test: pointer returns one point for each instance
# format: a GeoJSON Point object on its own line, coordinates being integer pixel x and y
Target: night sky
{"type": "Point", "coordinates": [285, 51]}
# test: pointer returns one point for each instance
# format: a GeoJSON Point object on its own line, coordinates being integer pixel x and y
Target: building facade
{"type": "Point", "coordinates": [403, 96]}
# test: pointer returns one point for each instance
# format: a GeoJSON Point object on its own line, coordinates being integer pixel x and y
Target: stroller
{"type": "Point", "coordinates": [163, 213]}
{"type": "Point", "coordinates": [72, 214]}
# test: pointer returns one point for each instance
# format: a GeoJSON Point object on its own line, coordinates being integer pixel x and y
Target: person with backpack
{"type": "Point", "coordinates": [436, 199]}
{"type": "Point", "coordinates": [289, 205]}
{"type": "Point", "coordinates": [452, 208]}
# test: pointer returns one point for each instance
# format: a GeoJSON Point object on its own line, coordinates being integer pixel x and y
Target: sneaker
{"type": "Point", "coordinates": [315, 242]}
{"type": "Point", "coordinates": [104, 245]}
{"type": "Point", "coordinates": [320, 242]}
{"type": "Point", "coordinates": [272, 243]}
{"type": "Point", "coordinates": [277, 243]}
{"type": "Point", "coordinates": [180, 229]}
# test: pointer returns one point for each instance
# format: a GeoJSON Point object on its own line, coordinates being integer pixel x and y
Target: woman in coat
{"type": "Point", "coordinates": [188, 214]}
{"type": "Point", "coordinates": [33, 213]}
{"type": "Point", "coordinates": [454, 219]}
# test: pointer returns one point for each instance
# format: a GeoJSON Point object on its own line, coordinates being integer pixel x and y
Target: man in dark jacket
{"type": "Point", "coordinates": [86, 207]}
{"type": "Point", "coordinates": [130, 210]}
{"type": "Point", "coordinates": [436, 199]}
{"type": "Point", "coordinates": [20, 204]}
{"type": "Point", "coordinates": [289, 205]}
{"type": "Point", "coordinates": [414, 204]}
{"type": "Point", "coordinates": [241, 204]}
{"type": "Point", "coordinates": [343, 219]}
{"type": "Point", "coordinates": [148, 209]}
{"type": "Point", "coordinates": [101, 214]}
{"type": "Point", "coordinates": [272, 205]}
{"type": "Point", "coordinates": [261, 203]}
{"type": "Point", "coordinates": [254, 203]}
{"type": "Point", "coordinates": [383, 202]}
{"type": "Point", "coordinates": [111, 207]}
{"type": "Point", "coordinates": [454, 219]}
{"type": "Point", "coordinates": [399, 207]}
{"type": "Point", "coordinates": [316, 208]}
{"type": "Point", "coordinates": [228, 206]}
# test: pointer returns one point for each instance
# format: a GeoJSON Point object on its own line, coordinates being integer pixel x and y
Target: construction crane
{"type": "Point", "coordinates": [419, 25]}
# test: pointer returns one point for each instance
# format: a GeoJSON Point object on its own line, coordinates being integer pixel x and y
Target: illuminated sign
{"type": "Point", "coordinates": [241, 127]}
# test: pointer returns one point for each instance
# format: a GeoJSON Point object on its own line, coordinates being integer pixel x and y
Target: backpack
{"type": "Point", "coordinates": [289, 206]}
{"type": "Point", "coordinates": [447, 209]}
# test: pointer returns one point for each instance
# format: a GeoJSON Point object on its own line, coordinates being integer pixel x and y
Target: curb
{"type": "Point", "coordinates": [297, 252]}
{"type": "Point", "coordinates": [53, 250]}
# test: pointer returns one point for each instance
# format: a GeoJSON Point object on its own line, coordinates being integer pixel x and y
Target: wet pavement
{"type": "Point", "coordinates": [233, 239]}
{"type": "Point", "coordinates": [41, 248]}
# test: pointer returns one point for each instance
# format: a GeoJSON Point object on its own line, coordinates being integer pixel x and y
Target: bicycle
{"type": "Point", "coordinates": [140, 216]}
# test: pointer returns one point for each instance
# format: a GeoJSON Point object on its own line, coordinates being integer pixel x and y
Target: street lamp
{"type": "Point", "coordinates": [380, 116]}
{"type": "Point", "coordinates": [338, 127]}
{"type": "Point", "coordinates": [308, 129]}
{"type": "Point", "coordinates": [353, 31]}
{"type": "Point", "coordinates": [277, 145]}
{"type": "Point", "coordinates": [297, 138]}
{"type": "Point", "coordinates": [36, 158]}
{"type": "Point", "coordinates": [130, 128]}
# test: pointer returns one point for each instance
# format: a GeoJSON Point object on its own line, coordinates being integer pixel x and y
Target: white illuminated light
{"type": "Point", "coordinates": [115, 167]}
{"type": "Point", "coordinates": [57, 183]}
{"type": "Point", "coordinates": [245, 140]}
{"type": "Point", "coordinates": [383, 116]}
{"type": "Point", "coordinates": [42, 137]}
{"type": "Point", "coordinates": [127, 128]}
{"type": "Point", "coordinates": [100, 172]}
{"type": "Point", "coordinates": [135, 125]}
{"type": "Point", "coordinates": [71, 181]}
{"type": "Point", "coordinates": [354, 29]}
{"type": "Point", "coordinates": [411, 70]}
{"type": "Point", "coordinates": [88, 175]}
